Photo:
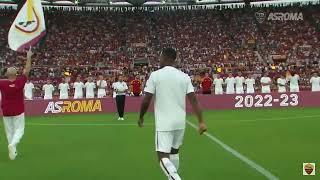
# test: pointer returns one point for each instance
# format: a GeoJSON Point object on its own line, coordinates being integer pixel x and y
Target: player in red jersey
{"type": "Point", "coordinates": [206, 84]}
{"type": "Point", "coordinates": [136, 86]}
{"type": "Point", "coordinates": [12, 104]}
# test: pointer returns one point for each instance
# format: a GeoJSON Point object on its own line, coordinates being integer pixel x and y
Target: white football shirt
{"type": "Point", "coordinates": [239, 81]}
{"type": "Point", "coordinates": [265, 89]}
{"type": "Point", "coordinates": [169, 86]}
{"type": "Point", "coordinates": [48, 90]}
{"type": "Point", "coordinates": [315, 83]}
{"type": "Point", "coordinates": [250, 82]}
{"type": "Point", "coordinates": [120, 86]}
{"type": "Point", "coordinates": [90, 88]}
{"type": "Point", "coordinates": [282, 82]}
{"type": "Point", "coordinates": [294, 81]}
{"type": "Point", "coordinates": [230, 84]}
{"type": "Point", "coordinates": [101, 89]}
{"type": "Point", "coordinates": [63, 87]}
{"type": "Point", "coordinates": [78, 88]}
{"type": "Point", "coordinates": [218, 83]}
{"type": "Point", "coordinates": [28, 88]}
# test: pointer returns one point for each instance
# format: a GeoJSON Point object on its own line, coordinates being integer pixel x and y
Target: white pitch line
{"type": "Point", "coordinates": [84, 124]}
{"type": "Point", "coordinates": [246, 160]}
{"type": "Point", "coordinates": [280, 118]}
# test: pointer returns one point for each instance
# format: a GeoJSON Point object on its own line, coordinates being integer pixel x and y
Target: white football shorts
{"type": "Point", "coordinates": [166, 140]}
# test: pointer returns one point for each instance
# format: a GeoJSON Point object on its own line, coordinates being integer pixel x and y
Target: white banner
{"type": "Point", "coordinates": [28, 28]}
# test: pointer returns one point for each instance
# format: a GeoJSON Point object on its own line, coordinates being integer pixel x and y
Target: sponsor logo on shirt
{"type": "Point", "coordinates": [73, 106]}
{"type": "Point", "coordinates": [309, 169]}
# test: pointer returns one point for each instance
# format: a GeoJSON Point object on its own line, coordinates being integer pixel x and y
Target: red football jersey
{"type": "Point", "coordinates": [136, 86]}
{"type": "Point", "coordinates": [206, 84]}
{"type": "Point", "coordinates": [12, 98]}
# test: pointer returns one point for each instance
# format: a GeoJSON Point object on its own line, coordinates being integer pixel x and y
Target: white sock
{"type": "Point", "coordinates": [174, 158]}
{"type": "Point", "coordinates": [169, 169]}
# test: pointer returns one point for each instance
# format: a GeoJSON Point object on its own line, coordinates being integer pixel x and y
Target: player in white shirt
{"type": "Point", "coordinates": [90, 86]}
{"type": "Point", "coordinates": [64, 89]}
{"type": "Point", "coordinates": [101, 85]}
{"type": "Point", "coordinates": [170, 87]}
{"type": "Point", "coordinates": [294, 83]}
{"type": "Point", "coordinates": [282, 83]}
{"type": "Point", "coordinates": [28, 90]}
{"type": "Point", "coordinates": [48, 90]}
{"type": "Point", "coordinates": [239, 80]}
{"type": "Point", "coordinates": [266, 82]}
{"type": "Point", "coordinates": [315, 82]}
{"type": "Point", "coordinates": [250, 82]}
{"type": "Point", "coordinates": [78, 89]}
{"type": "Point", "coordinates": [218, 82]}
{"type": "Point", "coordinates": [230, 82]}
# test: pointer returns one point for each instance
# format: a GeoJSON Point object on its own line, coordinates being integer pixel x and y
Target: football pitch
{"type": "Point", "coordinates": [248, 144]}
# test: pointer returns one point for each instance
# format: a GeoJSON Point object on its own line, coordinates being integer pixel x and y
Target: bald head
{"type": "Point", "coordinates": [11, 72]}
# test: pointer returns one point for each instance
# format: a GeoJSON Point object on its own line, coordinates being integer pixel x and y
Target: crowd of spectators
{"type": "Point", "coordinates": [89, 43]}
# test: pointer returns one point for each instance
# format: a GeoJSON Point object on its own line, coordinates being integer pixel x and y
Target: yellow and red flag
{"type": "Point", "coordinates": [28, 28]}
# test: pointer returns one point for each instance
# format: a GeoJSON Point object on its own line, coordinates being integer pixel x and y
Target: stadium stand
{"type": "Point", "coordinates": [89, 43]}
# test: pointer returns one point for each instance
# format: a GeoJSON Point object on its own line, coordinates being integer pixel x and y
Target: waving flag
{"type": "Point", "coordinates": [29, 26]}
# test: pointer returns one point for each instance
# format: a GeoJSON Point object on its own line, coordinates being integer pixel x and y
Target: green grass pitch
{"type": "Point", "coordinates": [97, 147]}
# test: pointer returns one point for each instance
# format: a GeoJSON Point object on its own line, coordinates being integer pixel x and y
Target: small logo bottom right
{"type": "Point", "coordinates": [309, 169]}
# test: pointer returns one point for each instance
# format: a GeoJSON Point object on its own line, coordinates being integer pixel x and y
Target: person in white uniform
{"type": "Point", "coordinates": [218, 82]}
{"type": "Point", "coordinates": [90, 86]}
{"type": "Point", "coordinates": [101, 85]}
{"type": "Point", "coordinates": [230, 82]}
{"type": "Point", "coordinates": [250, 82]}
{"type": "Point", "coordinates": [64, 89]}
{"type": "Point", "coordinates": [315, 83]}
{"type": "Point", "coordinates": [78, 88]}
{"type": "Point", "coordinates": [266, 82]}
{"type": "Point", "coordinates": [282, 84]}
{"type": "Point", "coordinates": [170, 87]}
{"type": "Point", "coordinates": [294, 83]}
{"type": "Point", "coordinates": [48, 89]}
{"type": "Point", "coordinates": [28, 90]}
{"type": "Point", "coordinates": [239, 80]}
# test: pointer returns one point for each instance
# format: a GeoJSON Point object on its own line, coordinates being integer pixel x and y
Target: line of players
{"type": "Point", "coordinates": [89, 87]}
{"type": "Point", "coordinates": [240, 85]}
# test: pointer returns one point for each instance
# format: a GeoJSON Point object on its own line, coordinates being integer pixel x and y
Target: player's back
{"type": "Point", "coordinates": [169, 86]}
